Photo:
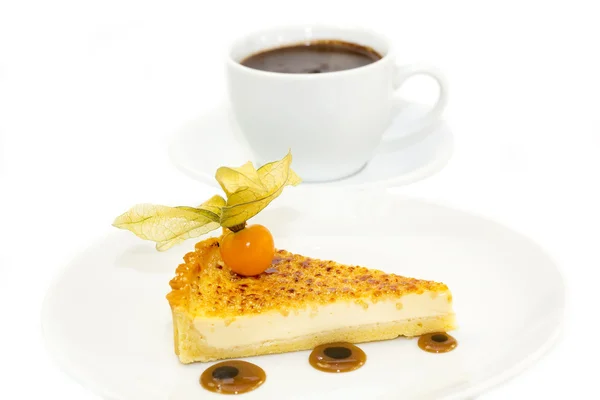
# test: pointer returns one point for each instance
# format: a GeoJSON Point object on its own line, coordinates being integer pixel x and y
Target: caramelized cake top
{"type": "Point", "coordinates": [205, 286]}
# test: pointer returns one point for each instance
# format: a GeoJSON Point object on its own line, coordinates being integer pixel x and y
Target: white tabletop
{"type": "Point", "coordinates": [90, 93]}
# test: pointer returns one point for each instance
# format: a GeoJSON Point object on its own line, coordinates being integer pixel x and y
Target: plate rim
{"type": "Point", "coordinates": [475, 389]}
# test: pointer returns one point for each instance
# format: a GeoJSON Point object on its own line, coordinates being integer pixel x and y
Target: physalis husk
{"type": "Point", "coordinates": [247, 190]}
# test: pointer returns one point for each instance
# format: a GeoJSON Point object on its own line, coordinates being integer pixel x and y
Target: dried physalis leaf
{"type": "Point", "coordinates": [249, 190]}
{"type": "Point", "coordinates": [214, 205]}
{"type": "Point", "coordinates": [168, 226]}
{"type": "Point", "coordinates": [235, 179]}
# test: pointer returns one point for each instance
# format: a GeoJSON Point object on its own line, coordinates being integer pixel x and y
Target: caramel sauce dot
{"type": "Point", "coordinates": [337, 357]}
{"type": "Point", "coordinates": [232, 377]}
{"type": "Point", "coordinates": [438, 342]}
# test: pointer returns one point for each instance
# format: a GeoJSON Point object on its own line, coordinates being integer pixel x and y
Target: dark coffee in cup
{"type": "Point", "coordinates": [313, 57]}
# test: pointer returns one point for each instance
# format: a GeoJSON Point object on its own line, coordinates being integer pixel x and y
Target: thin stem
{"type": "Point", "coordinates": [238, 227]}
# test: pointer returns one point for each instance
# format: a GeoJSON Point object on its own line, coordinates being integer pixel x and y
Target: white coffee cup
{"type": "Point", "coordinates": [333, 122]}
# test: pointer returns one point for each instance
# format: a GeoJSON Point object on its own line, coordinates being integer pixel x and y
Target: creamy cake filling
{"type": "Point", "coordinates": [257, 329]}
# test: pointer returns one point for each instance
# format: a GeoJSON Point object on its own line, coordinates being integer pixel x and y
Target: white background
{"type": "Point", "coordinates": [90, 92]}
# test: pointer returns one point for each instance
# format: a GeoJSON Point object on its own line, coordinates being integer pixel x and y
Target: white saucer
{"type": "Point", "coordinates": [214, 140]}
{"type": "Point", "coordinates": [107, 323]}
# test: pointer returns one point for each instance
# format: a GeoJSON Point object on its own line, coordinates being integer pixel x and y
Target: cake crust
{"type": "Point", "coordinates": [191, 347]}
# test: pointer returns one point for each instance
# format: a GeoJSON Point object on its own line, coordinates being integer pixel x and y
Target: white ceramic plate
{"type": "Point", "coordinates": [107, 323]}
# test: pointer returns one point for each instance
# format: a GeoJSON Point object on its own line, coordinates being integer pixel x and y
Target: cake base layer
{"type": "Point", "coordinates": [191, 347]}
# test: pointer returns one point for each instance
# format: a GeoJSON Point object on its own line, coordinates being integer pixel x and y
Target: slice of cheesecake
{"type": "Point", "coordinates": [297, 304]}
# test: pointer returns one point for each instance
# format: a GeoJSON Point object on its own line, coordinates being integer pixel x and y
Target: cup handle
{"type": "Point", "coordinates": [424, 125]}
